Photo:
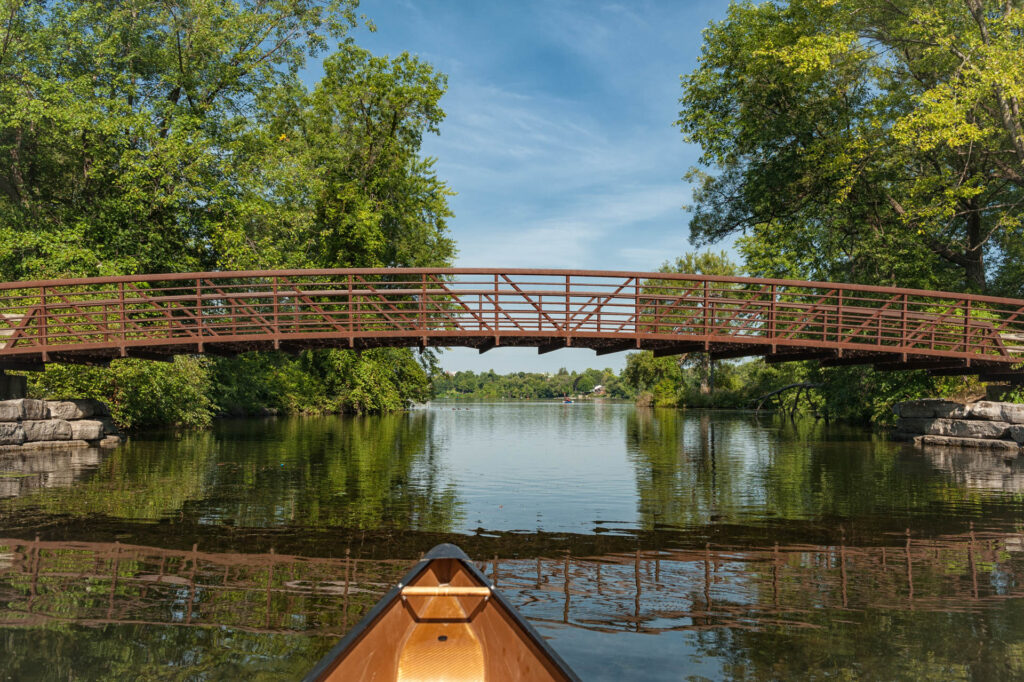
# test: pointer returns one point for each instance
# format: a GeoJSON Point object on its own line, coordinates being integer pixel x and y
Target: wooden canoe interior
{"type": "Point", "coordinates": [455, 638]}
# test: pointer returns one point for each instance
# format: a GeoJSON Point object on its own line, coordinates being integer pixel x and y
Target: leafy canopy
{"type": "Point", "coordinates": [149, 136]}
{"type": "Point", "coordinates": [870, 141]}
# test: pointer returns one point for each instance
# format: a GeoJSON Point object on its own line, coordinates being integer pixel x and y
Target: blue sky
{"type": "Point", "coordinates": [558, 137]}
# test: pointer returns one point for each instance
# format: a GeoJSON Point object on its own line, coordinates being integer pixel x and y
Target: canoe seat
{"type": "Point", "coordinates": [440, 650]}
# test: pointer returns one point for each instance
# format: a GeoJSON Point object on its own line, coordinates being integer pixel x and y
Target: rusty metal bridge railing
{"type": "Point", "coordinates": [95, 320]}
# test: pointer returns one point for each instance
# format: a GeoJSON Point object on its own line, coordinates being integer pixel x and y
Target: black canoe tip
{"type": "Point", "coordinates": [446, 550]}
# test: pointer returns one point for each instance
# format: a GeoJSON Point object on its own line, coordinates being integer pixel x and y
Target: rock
{"type": "Point", "coordinates": [983, 409]}
{"type": "Point", "coordinates": [110, 442]}
{"type": "Point", "coordinates": [914, 426]}
{"type": "Point", "coordinates": [925, 409]}
{"type": "Point", "coordinates": [939, 427]}
{"type": "Point", "coordinates": [1013, 413]}
{"type": "Point", "coordinates": [47, 429]}
{"type": "Point", "coordinates": [1005, 446]}
{"type": "Point", "coordinates": [10, 411]}
{"type": "Point", "coordinates": [1017, 434]}
{"type": "Point", "coordinates": [11, 433]}
{"type": "Point", "coordinates": [109, 427]}
{"type": "Point", "coordinates": [951, 410]}
{"type": "Point", "coordinates": [87, 429]}
{"type": "Point", "coordinates": [54, 444]}
{"type": "Point", "coordinates": [23, 408]}
{"type": "Point", "coordinates": [962, 428]}
{"type": "Point", "coordinates": [76, 409]}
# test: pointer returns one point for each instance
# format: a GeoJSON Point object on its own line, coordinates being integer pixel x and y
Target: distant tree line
{"type": "Point", "coordinates": [531, 385]}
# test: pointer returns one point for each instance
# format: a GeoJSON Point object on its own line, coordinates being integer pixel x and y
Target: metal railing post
{"type": "Point", "coordinates": [123, 314]}
{"type": "Point", "coordinates": [199, 311]}
{"type": "Point", "coordinates": [839, 322]}
{"type": "Point", "coordinates": [706, 311]}
{"type": "Point", "coordinates": [567, 306]}
{"type": "Point", "coordinates": [277, 322]}
{"type": "Point", "coordinates": [637, 329]}
{"type": "Point", "coordinates": [967, 326]}
{"type": "Point", "coordinates": [43, 331]}
{"type": "Point", "coordinates": [903, 324]}
{"type": "Point", "coordinates": [423, 302]}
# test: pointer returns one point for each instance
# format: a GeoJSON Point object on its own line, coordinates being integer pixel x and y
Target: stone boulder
{"type": "Point", "coordinates": [1017, 434]}
{"type": "Point", "coordinates": [926, 409]}
{"type": "Point", "coordinates": [984, 409]}
{"type": "Point", "coordinates": [23, 408]}
{"type": "Point", "coordinates": [10, 411]}
{"type": "Point", "coordinates": [914, 426]}
{"type": "Point", "coordinates": [11, 433]}
{"type": "Point", "coordinates": [77, 409]}
{"type": "Point", "coordinates": [962, 428]}
{"type": "Point", "coordinates": [109, 427]}
{"type": "Point", "coordinates": [1007, 447]}
{"type": "Point", "coordinates": [46, 429]}
{"type": "Point", "coordinates": [978, 429]}
{"type": "Point", "coordinates": [86, 429]}
{"type": "Point", "coordinates": [55, 445]}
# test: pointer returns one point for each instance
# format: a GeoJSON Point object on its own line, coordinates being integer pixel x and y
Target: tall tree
{"type": "Point", "coordinates": [151, 136]}
{"type": "Point", "coordinates": [143, 136]}
{"type": "Point", "coordinates": [871, 140]}
{"type": "Point", "coordinates": [702, 263]}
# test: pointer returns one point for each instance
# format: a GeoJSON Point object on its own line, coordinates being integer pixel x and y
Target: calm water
{"type": "Point", "coordinates": [655, 545]}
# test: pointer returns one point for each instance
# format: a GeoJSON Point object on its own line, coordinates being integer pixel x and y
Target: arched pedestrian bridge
{"type": "Point", "coordinates": [95, 320]}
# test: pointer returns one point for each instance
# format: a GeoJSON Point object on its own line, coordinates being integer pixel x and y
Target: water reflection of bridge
{"type": "Point", "coordinates": [90, 583]}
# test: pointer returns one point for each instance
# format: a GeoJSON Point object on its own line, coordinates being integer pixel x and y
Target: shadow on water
{"type": "Point", "coordinates": [738, 546]}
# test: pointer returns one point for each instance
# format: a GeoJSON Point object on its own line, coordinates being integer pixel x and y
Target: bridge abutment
{"type": "Point", "coordinates": [27, 425]}
{"type": "Point", "coordinates": [996, 427]}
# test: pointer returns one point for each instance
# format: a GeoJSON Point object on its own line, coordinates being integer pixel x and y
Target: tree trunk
{"type": "Point", "coordinates": [974, 270]}
{"type": "Point", "coordinates": [705, 374]}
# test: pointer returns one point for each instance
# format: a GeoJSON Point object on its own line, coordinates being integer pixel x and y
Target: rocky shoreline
{"type": "Point", "coordinates": [984, 425]}
{"type": "Point", "coordinates": [27, 424]}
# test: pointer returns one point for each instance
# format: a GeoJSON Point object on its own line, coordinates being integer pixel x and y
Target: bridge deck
{"type": "Point", "coordinates": [95, 320]}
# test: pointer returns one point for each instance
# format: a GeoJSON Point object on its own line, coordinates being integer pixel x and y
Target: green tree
{"type": "Point", "coordinates": [123, 125]}
{"type": "Point", "coordinates": [874, 141]}
{"type": "Point", "coordinates": [702, 263]}
{"type": "Point", "coordinates": [176, 136]}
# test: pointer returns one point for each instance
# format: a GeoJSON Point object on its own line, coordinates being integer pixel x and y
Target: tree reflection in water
{"type": "Point", "coordinates": [355, 473]}
{"type": "Point", "coordinates": [761, 548]}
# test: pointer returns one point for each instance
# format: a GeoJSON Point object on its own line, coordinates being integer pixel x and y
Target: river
{"type": "Point", "coordinates": [645, 544]}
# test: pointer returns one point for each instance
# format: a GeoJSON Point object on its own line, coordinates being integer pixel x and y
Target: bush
{"type": "Point", "coordinates": [140, 393]}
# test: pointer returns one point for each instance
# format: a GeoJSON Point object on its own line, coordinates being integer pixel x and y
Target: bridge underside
{"type": "Point", "coordinates": [937, 363]}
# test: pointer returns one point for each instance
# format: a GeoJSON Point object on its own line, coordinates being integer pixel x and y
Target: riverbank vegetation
{"type": "Point", "coordinates": [866, 142]}
{"type": "Point", "coordinates": [531, 385]}
{"type": "Point", "coordinates": [173, 137]}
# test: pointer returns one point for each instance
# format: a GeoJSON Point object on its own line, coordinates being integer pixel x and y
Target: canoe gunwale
{"type": "Point", "coordinates": [442, 551]}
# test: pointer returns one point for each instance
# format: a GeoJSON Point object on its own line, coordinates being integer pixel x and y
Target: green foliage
{"type": "Point", "coordinates": [867, 141]}
{"type": "Point", "coordinates": [675, 382]}
{"type": "Point", "coordinates": [529, 385]}
{"type": "Point", "coordinates": [178, 136]}
{"type": "Point", "coordinates": [865, 395]}
{"type": "Point", "coordinates": [126, 125]}
{"type": "Point", "coordinates": [139, 393]}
